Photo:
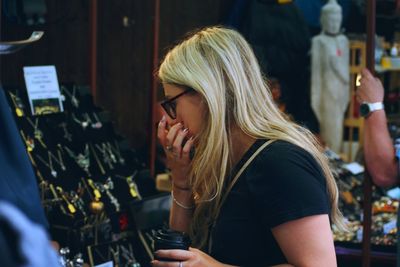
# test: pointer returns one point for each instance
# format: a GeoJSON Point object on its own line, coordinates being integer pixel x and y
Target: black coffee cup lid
{"type": "Point", "coordinates": [172, 236]}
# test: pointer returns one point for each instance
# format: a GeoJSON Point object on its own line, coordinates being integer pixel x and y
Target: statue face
{"type": "Point", "coordinates": [331, 22]}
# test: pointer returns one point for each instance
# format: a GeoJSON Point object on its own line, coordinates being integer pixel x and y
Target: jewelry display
{"type": "Point", "coordinates": [83, 160]}
{"type": "Point", "coordinates": [36, 131]}
{"type": "Point", "coordinates": [70, 206]}
{"type": "Point", "coordinates": [67, 135]}
{"type": "Point", "coordinates": [86, 210]}
{"type": "Point", "coordinates": [74, 100]}
{"type": "Point", "coordinates": [18, 104]}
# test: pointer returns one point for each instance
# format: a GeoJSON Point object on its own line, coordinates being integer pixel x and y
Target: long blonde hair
{"type": "Point", "coordinates": [219, 65]}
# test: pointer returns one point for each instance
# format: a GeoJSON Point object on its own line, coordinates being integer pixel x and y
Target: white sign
{"type": "Point", "coordinates": [43, 89]}
{"type": "Point", "coordinates": [106, 264]}
{"type": "Point", "coordinates": [354, 168]}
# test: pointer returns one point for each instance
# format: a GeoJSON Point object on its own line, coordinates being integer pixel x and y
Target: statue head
{"type": "Point", "coordinates": [331, 17]}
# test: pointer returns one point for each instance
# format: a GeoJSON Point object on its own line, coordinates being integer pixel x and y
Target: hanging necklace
{"type": "Point", "coordinates": [67, 135]}
{"type": "Point", "coordinates": [60, 159]}
{"type": "Point", "coordinates": [83, 160]}
{"type": "Point", "coordinates": [103, 172]}
{"type": "Point", "coordinates": [29, 142]}
{"type": "Point", "coordinates": [109, 185]}
{"type": "Point", "coordinates": [18, 104]}
{"type": "Point", "coordinates": [74, 100]}
{"type": "Point", "coordinates": [133, 188]}
{"type": "Point", "coordinates": [96, 206]}
{"type": "Point", "coordinates": [56, 198]}
{"type": "Point", "coordinates": [117, 151]}
{"type": "Point", "coordinates": [107, 158]}
{"type": "Point", "coordinates": [36, 131]}
{"type": "Point", "coordinates": [48, 164]}
{"type": "Point", "coordinates": [77, 201]}
{"type": "Point", "coordinates": [84, 123]}
{"type": "Point", "coordinates": [70, 206]}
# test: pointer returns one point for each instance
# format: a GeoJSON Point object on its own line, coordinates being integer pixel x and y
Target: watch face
{"type": "Point", "coordinates": [364, 109]}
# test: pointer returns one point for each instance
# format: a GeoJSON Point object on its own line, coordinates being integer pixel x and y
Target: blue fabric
{"type": "Point", "coordinates": [18, 184]}
{"type": "Point", "coordinates": [27, 243]}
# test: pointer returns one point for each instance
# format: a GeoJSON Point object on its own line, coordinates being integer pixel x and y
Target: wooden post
{"type": "Point", "coordinates": [153, 92]}
{"type": "Point", "coordinates": [367, 207]}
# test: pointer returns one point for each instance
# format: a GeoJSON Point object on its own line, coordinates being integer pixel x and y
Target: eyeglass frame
{"type": "Point", "coordinates": [167, 103]}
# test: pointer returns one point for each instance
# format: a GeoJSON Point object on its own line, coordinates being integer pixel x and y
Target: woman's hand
{"type": "Point", "coordinates": [178, 155]}
{"type": "Point", "coordinates": [186, 258]}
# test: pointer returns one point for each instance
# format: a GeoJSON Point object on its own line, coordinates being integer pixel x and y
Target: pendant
{"type": "Point", "coordinates": [75, 102]}
{"type": "Point", "coordinates": [84, 124]}
{"type": "Point", "coordinates": [96, 206]}
{"type": "Point", "coordinates": [19, 112]}
{"type": "Point", "coordinates": [30, 144]}
{"type": "Point", "coordinates": [97, 125]}
{"type": "Point", "coordinates": [339, 52]}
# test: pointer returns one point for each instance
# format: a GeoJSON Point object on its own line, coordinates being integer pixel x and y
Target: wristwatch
{"type": "Point", "coordinates": [367, 108]}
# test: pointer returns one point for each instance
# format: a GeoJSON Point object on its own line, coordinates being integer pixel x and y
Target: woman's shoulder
{"type": "Point", "coordinates": [283, 149]}
{"type": "Point", "coordinates": [287, 161]}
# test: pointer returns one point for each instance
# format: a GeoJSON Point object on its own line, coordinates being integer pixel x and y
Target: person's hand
{"type": "Point", "coordinates": [185, 258]}
{"type": "Point", "coordinates": [178, 155]}
{"type": "Point", "coordinates": [370, 89]}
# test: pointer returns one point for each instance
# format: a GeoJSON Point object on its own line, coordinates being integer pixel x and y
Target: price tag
{"type": "Point", "coordinates": [43, 90]}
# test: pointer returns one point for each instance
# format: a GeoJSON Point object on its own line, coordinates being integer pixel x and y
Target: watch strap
{"type": "Point", "coordinates": [375, 106]}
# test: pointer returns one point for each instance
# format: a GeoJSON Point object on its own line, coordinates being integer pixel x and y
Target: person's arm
{"type": "Point", "coordinates": [178, 160]}
{"type": "Point", "coordinates": [307, 241]}
{"type": "Point", "coordinates": [181, 217]}
{"type": "Point", "coordinates": [379, 152]}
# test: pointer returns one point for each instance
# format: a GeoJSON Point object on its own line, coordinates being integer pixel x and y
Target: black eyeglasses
{"type": "Point", "coordinates": [169, 105]}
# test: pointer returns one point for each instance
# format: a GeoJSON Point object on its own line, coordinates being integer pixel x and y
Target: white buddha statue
{"type": "Point", "coordinates": [330, 75]}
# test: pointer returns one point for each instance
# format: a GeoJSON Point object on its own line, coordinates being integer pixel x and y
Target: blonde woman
{"type": "Point", "coordinates": [257, 191]}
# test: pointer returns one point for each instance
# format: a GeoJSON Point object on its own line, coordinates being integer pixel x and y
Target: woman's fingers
{"type": "Point", "coordinates": [157, 263]}
{"type": "Point", "coordinates": [172, 134]}
{"type": "Point", "coordinates": [186, 149]}
{"type": "Point", "coordinates": [177, 146]}
{"type": "Point", "coordinates": [162, 131]}
{"type": "Point", "coordinates": [177, 255]}
{"type": "Point", "coordinates": [174, 254]}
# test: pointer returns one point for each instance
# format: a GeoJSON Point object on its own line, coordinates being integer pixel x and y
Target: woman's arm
{"type": "Point", "coordinates": [307, 241]}
{"type": "Point", "coordinates": [181, 217]}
